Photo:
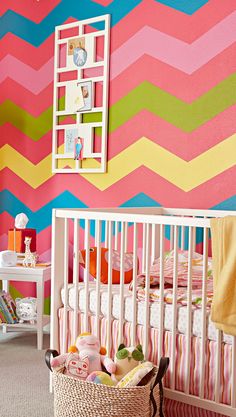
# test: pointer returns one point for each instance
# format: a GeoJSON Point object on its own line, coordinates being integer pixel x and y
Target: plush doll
{"type": "Point", "coordinates": [89, 346]}
{"type": "Point", "coordinates": [71, 364]}
{"type": "Point", "coordinates": [126, 359]}
{"type": "Point", "coordinates": [116, 265]}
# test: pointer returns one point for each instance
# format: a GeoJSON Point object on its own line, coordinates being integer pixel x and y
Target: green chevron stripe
{"type": "Point", "coordinates": [185, 116]}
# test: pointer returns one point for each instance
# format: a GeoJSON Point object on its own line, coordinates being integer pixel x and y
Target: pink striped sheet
{"type": "Point", "coordinates": [180, 363]}
{"type": "Point", "coordinates": [176, 409]}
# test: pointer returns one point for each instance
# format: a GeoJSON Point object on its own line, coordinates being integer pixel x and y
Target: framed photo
{"type": "Point", "coordinates": [74, 98]}
{"type": "Point", "coordinates": [85, 88]}
{"type": "Point", "coordinates": [77, 54]}
{"type": "Point", "coordinates": [70, 137]}
{"type": "Point", "coordinates": [78, 96]}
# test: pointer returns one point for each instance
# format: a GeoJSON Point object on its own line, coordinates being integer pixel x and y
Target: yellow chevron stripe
{"type": "Point", "coordinates": [185, 175]}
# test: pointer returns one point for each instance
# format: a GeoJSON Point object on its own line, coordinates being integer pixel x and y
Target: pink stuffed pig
{"type": "Point", "coordinates": [72, 365]}
{"type": "Point", "coordinates": [89, 346]}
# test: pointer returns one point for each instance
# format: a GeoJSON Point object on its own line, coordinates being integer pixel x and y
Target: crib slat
{"type": "Point", "coordinates": [106, 233]}
{"type": "Point", "coordinates": [86, 271]}
{"type": "Point", "coordinates": [174, 306]}
{"type": "Point", "coordinates": [233, 386]}
{"type": "Point", "coordinates": [161, 302]}
{"type": "Point", "coordinates": [147, 289]}
{"type": "Point", "coordinates": [203, 332]}
{"type": "Point", "coordinates": [126, 236]}
{"type": "Point", "coordinates": [182, 237]}
{"type": "Point", "coordinates": [189, 310]}
{"type": "Point", "coordinates": [135, 271]}
{"type": "Point", "coordinates": [65, 313]}
{"type": "Point", "coordinates": [154, 242]}
{"type": "Point", "coordinates": [109, 226]}
{"type": "Point", "coordinates": [171, 237]}
{"type": "Point", "coordinates": [122, 307]}
{"type": "Point", "coordinates": [76, 277]}
{"type": "Point", "coordinates": [218, 365]}
{"type": "Point", "coordinates": [116, 235]}
{"type": "Point", "coordinates": [98, 268]}
{"type": "Point", "coordinates": [144, 248]}
{"type": "Point", "coordinates": [194, 237]}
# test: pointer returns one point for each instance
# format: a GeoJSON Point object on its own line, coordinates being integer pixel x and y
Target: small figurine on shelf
{"type": "Point", "coordinates": [26, 309]}
{"type": "Point", "coordinates": [78, 149]}
{"type": "Point", "coordinates": [30, 258]}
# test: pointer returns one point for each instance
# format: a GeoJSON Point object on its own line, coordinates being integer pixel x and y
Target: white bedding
{"type": "Point", "coordinates": [154, 310]}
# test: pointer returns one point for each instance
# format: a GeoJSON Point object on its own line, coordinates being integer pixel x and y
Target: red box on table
{"type": "Point", "coordinates": [16, 239]}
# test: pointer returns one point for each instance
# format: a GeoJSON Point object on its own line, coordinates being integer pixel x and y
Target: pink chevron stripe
{"type": "Point", "coordinates": [27, 289]}
{"type": "Point", "coordinates": [185, 57]}
{"type": "Point", "coordinates": [178, 25]}
{"type": "Point", "coordinates": [33, 10]}
{"type": "Point", "coordinates": [171, 51]}
{"type": "Point", "coordinates": [34, 151]}
{"type": "Point", "coordinates": [45, 256]}
{"type": "Point", "coordinates": [24, 51]}
{"type": "Point", "coordinates": [212, 192]}
{"type": "Point", "coordinates": [185, 145]}
{"type": "Point", "coordinates": [32, 103]}
{"type": "Point", "coordinates": [187, 88]}
{"type": "Point", "coordinates": [169, 21]}
{"type": "Point", "coordinates": [33, 80]}
{"type": "Point", "coordinates": [3, 241]}
{"type": "Point", "coordinates": [175, 82]}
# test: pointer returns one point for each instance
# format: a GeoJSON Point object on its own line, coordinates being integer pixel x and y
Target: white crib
{"type": "Point", "coordinates": [147, 233]}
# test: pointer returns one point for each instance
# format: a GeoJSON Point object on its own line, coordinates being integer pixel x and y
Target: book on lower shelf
{"type": "Point", "coordinates": [7, 308]}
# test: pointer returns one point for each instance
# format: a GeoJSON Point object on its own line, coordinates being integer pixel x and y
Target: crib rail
{"type": "Point", "coordinates": [146, 233]}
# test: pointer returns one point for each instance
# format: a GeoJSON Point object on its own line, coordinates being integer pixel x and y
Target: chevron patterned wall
{"type": "Point", "coordinates": [172, 118]}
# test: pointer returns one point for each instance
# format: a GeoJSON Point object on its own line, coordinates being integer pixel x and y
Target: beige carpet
{"type": "Point", "coordinates": [24, 377]}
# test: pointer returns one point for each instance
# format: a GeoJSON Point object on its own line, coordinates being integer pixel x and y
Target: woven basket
{"type": "Point", "coordinates": [76, 398]}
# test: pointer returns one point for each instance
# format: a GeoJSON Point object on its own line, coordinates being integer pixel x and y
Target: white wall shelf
{"type": "Point", "coordinates": [81, 80]}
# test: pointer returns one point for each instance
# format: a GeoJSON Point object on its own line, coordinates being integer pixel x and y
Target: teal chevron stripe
{"type": "Point", "coordinates": [229, 204]}
{"type": "Point", "coordinates": [36, 34]}
{"type": "Point", "coordinates": [140, 200]}
{"type": "Point", "coordinates": [185, 6]}
{"type": "Point", "coordinates": [42, 218]}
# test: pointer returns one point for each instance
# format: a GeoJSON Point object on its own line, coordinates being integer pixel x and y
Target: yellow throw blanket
{"type": "Point", "coordinates": [223, 310]}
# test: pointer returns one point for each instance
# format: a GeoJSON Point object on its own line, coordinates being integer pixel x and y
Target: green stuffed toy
{"type": "Point", "coordinates": [126, 359]}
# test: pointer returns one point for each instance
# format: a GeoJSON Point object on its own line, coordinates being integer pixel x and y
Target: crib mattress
{"type": "Point", "coordinates": [154, 310]}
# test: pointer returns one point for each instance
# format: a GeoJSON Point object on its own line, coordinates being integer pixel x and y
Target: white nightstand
{"type": "Point", "coordinates": [39, 275]}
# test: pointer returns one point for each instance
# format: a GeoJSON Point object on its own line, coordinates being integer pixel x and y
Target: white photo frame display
{"type": "Point", "coordinates": [80, 109]}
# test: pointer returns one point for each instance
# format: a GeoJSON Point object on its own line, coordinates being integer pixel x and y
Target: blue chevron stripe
{"type": "Point", "coordinates": [42, 218]}
{"type": "Point", "coordinates": [141, 200]}
{"type": "Point", "coordinates": [36, 34]}
{"type": "Point", "coordinates": [229, 204]}
{"type": "Point", "coordinates": [185, 6]}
